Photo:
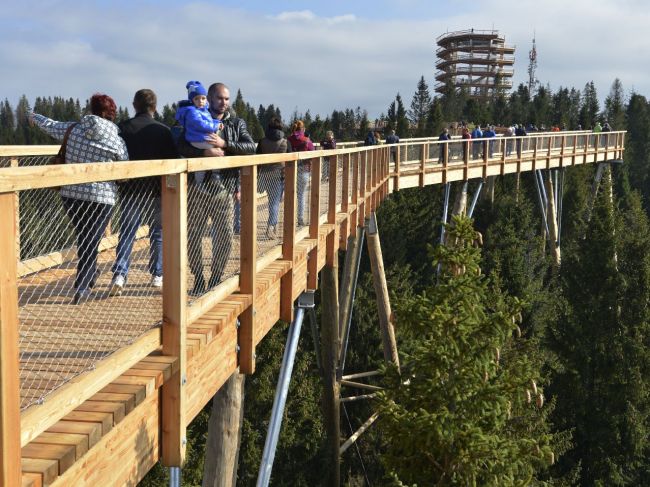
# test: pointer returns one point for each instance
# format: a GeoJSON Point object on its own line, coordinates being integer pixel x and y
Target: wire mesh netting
{"type": "Point", "coordinates": [89, 277]}
{"type": "Point", "coordinates": [270, 208]}
{"type": "Point", "coordinates": [325, 186]}
{"type": "Point", "coordinates": [339, 178]}
{"type": "Point", "coordinates": [213, 229]}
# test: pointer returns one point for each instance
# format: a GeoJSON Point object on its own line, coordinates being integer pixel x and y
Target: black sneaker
{"type": "Point", "coordinates": [81, 296]}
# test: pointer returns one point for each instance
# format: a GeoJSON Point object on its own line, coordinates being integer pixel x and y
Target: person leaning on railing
{"type": "Point", "coordinates": [89, 205]}
{"type": "Point", "coordinates": [211, 192]}
{"type": "Point", "coordinates": [146, 139]}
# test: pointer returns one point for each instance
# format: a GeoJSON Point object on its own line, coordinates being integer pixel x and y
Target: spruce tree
{"type": "Point", "coordinates": [466, 409]}
{"type": "Point", "coordinates": [420, 107]}
{"type": "Point", "coordinates": [601, 342]}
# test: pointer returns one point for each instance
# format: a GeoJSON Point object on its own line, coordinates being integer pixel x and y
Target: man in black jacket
{"type": "Point", "coordinates": [211, 192]}
{"type": "Point", "coordinates": [145, 139]}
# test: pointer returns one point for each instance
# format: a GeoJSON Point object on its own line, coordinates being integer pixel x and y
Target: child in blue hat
{"type": "Point", "coordinates": [194, 116]}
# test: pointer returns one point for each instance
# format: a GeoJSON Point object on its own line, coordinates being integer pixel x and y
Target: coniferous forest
{"type": "Point", "coordinates": [513, 371]}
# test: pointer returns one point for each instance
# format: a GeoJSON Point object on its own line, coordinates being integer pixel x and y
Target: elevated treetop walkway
{"type": "Point", "coordinates": [96, 393]}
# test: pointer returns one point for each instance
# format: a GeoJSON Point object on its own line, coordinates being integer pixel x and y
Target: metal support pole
{"type": "Point", "coordinates": [174, 476]}
{"type": "Point", "coordinates": [348, 322]}
{"type": "Point", "coordinates": [475, 199]}
{"type": "Point", "coordinates": [305, 301]}
{"type": "Point", "coordinates": [540, 178]}
{"type": "Point", "coordinates": [594, 190]}
{"type": "Point", "coordinates": [445, 210]}
{"type": "Point", "coordinates": [541, 203]}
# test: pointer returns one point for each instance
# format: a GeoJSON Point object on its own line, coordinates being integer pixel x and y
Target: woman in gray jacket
{"type": "Point", "coordinates": [89, 205]}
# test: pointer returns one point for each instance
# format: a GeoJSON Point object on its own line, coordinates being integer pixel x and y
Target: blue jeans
{"type": "Point", "coordinates": [90, 220]}
{"type": "Point", "coordinates": [272, 182]}
{"type": "Point", "coordinates": [136, 207]}
{"type": "Point", "coordinates": [303, 181]}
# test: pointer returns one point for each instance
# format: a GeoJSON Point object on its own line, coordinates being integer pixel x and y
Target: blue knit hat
{"type": "Point", "coordinates": [195, 88]}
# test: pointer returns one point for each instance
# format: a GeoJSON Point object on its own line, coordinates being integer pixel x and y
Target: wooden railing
{"type": "Point", "coordinates": [358, 180]}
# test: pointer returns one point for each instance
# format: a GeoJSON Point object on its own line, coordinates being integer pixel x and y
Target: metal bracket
{"type": "Point", "coordinates": [306, 300]}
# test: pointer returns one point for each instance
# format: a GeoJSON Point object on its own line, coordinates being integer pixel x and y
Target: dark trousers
{"type": "Point", "coordinates": [212, 202]}
{"type": "Point", "coordinates": [89, 220]}
{"type": "Point", "coordinates": [136, 208]}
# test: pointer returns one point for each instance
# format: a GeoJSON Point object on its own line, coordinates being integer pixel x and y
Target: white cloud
{"type": "Point", "coordinates": [309, 16]}
{"type": "Point", "coordinates": [298, 59]}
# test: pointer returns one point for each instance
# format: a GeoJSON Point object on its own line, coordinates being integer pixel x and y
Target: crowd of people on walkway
{"type": "Point", "coordinates": [208, 129]}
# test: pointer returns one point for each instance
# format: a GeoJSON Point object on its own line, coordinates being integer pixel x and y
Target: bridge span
{"type": "Point", "coordinates": [96, 393]}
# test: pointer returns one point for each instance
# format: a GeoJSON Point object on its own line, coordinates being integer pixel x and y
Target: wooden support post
{"type": "Point", "coordinates": [397, 168]}
{"type": "Point", "coordinates": [354, 215]}
{"type": "Point", "coordinates": [288, 240]}
{"type": "Point", "coordinates": [248, 267]}
{"type": "Point", "coordinates": [332, 240]}
{"type": "Point", "coordinates": [361, 214]}
{"type": "Point", "coordinates": [423, 162]}
{"type": "Point", "coordinates": [330, 344]}
{"type": "Point", "coordinates": [345, 190]}
{"type": "Point", "coordinates": [224, 434]}
{"type": "Point", "coordinates": [551, 217]}
{"type": "Point", "coordinates": [314, 217]}
{"type": "Point", "coordinates": [348, 282]}
{"type": "Point", "coordinates": [381, 290]}
{"type": "Point", "coordinates": [10, 471]}
{"type": "Point", "coordinates": [174, 326]}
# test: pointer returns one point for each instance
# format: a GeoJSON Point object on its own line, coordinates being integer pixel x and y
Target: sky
{"type": "Point", "coordinates": [321, 56]}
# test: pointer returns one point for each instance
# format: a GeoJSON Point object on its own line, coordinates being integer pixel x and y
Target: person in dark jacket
{"type": "Point", "coordinates": [145, 139]}
{"type": "Point", "coordinates": [211, 192]}
{"type": "Point", "coordinates": [391, 139]}
{"type": "Point", "coordinates": [328, 143]}
{"type": "Point", "coordinates": [270, 177]}
{"type": "Point", "coordinates": [444, 135]}
{"type": "Point", "coordinates": [370, 139]}
{"type": "Point", "coordinates": [520, 131]}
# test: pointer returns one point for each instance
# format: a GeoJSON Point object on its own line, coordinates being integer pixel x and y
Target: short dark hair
{"type": "Point", "coordinates": [103, 106]}
{"type": "Point", "coordinates": [212, 89]}
{"type": "Point", "coordinates": [145, 100]}
{"type": "Point", "coordinates": [275, 123]}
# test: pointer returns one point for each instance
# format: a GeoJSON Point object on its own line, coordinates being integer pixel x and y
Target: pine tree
{"type": "Point", "coordinates": [420, 108]}
{"type": "Point", "coordinates": [615, 106]}
{"type": "Point", "coordinates": [466, 409]}
{"type": "Point", "coordinates": [590, 107]}
{"type": "Point", "coordinates": [402, 123]}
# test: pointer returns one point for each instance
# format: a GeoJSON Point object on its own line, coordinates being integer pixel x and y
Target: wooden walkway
{"type": "Point", "coordinates": [108, 358]}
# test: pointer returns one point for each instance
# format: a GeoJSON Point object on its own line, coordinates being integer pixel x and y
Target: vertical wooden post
{"type": "Point", "coordinates": [345, 190]}
{"type": "Point", "coordinates": [248, 267]}
{"type": "Point", "coordinates": [10, 471]}
{"type": "Point", "coordinates": [174, 327]}
{"type": "Point", "coordinates": [14, 163]}
{"type": "Point", "coordinates": [423, 161]}
{"type": "Point", "coordinates": [314, 224]}
{"type": "Point", "coordinates": [354, 216]}
{"type": "Point", "coordinates": [288, 240]}
{"type": "Point", "coordinates": [397, 168]}
{"type": "Point", "coordinates": [330, 359]}
{"type": "Point", "coordinates": [332, 237]}
{"type": "Point", "coordinates": [362, 189]}
{"type": "Point", "coordinates": [381, 291]}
